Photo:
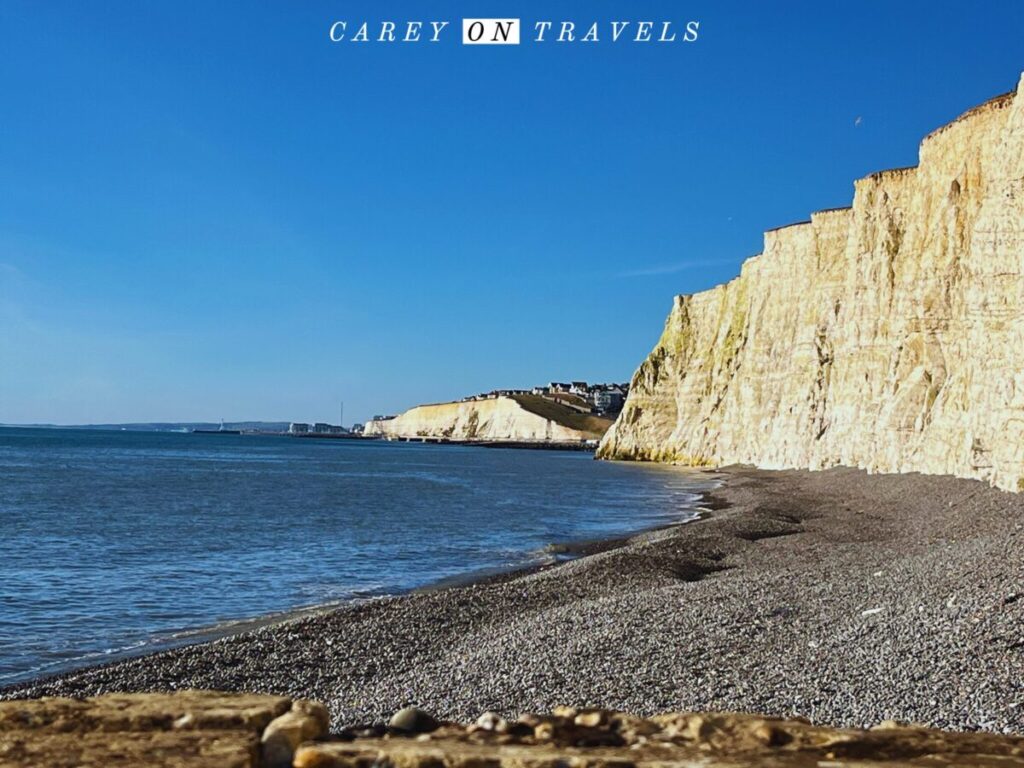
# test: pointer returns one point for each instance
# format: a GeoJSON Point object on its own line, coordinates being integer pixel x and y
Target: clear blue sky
{"type": "Point", "coordinates": [209, 210]}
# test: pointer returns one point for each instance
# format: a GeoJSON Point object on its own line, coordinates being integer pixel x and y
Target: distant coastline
{"type": "Point", "coordinates": [267, 429]}
{"type": "Point", "coordinates": [262, 427]}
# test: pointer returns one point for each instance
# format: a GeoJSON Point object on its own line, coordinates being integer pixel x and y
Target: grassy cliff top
{"type": "Point", "coordinates": [595, 426]}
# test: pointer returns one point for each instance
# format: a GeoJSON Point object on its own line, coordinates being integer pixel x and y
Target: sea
{"type": "Point", "coordinates": [115, 543]}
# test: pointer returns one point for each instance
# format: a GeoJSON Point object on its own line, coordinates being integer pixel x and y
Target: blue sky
{"type": "Point", "coordinates": [209, 210]}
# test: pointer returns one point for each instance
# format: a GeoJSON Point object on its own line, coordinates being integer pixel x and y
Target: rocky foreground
{"type": "Point", "coordinates": [207, 729]}
{"type": "Point", "coordinates": [845, 598]}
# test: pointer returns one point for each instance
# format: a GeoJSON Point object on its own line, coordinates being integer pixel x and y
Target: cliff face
{"type": "Point", "coordinates": [501, 418]}
{"type": "Point", "coordinates": [887, 336]}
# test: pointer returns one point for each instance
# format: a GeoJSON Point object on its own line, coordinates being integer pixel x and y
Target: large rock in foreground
{"type": "Point", "coordinates": [205, 729]}
{"type": "Point", "coordinates": [887, 336]}
{"type": "Point", "coordinates": [197, 729]}
{"type": "Point", "coordinates": [599, 739]}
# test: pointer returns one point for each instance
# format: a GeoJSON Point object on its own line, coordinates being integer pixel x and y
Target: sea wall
{"type": "Point", "coordinates": [887, 336]}
{"type": "Point", "coordinates": [500, 418]}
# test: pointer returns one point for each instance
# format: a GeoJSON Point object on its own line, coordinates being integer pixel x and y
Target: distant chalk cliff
{"type": "Point", "coordinates": [512, 418]}
{"type": "Point", "coordinates": [888, 335]}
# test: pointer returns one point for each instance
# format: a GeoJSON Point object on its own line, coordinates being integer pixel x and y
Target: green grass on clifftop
{"type": "Point", "coordinates": [594, 426]}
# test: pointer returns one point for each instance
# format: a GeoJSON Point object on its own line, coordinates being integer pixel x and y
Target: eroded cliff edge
{"type": "Point", "coordinates": [887, 336]}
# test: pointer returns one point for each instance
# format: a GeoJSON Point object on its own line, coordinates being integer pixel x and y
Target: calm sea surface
{"type": "Point", "coordinates": [121, 542]}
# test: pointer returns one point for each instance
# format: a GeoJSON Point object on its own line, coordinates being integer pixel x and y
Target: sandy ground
{"type": "Point", "coordinates": [839, 596]}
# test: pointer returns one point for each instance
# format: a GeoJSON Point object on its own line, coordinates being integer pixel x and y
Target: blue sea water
{"type": "Point", "coordinates": [118, 542]}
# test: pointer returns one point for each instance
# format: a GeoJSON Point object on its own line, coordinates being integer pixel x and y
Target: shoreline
{"type": "Point", "coordinates": [194, 637]}
{"type": "Point", "coordinates": [838, 596]}
{"type": "Point", "coordinates": [570, 552]}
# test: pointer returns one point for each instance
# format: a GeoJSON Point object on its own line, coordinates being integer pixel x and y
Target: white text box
{"type": "Point", "coordinates": [490, 31]}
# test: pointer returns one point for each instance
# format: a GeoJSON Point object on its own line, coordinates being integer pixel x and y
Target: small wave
{"type": "Point", "coordinates": [73, 660]}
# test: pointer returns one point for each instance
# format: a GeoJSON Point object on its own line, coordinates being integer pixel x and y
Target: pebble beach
{"type": "Point", "coordinates": [841, 597]}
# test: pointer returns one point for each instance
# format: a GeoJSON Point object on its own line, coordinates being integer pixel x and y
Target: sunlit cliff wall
{"type": "Point", "coordinates": [887, 336]}
{"type": "Point", "coordinates": [500, 418]}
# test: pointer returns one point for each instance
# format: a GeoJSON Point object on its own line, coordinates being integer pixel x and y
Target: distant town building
{"type": "Point", "coordinates": [319, 428]}
{"type": "Point", "coordinates": [323, 428]}
{"type": "Point", "coordinates": [357, 429]}
{"type": "Point", "coordinates": [607, 400]}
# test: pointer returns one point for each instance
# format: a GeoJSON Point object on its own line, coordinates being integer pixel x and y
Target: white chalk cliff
{"type": "Point", "coordinates": [518, 418]}
{"type": "Point", "coordinates": [887, 336]}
